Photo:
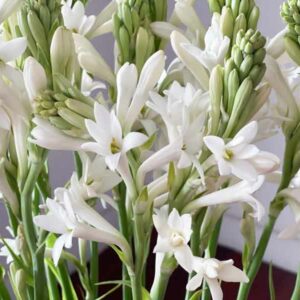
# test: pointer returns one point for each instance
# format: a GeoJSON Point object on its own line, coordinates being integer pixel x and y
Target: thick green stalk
{"type": "Point", "coordinates": [211, 252]}
{"type": "Point", "coordinates": [296, 292]}
{"type": "Point", "coordinates": [123, 224]}
{"type": "Point", "coordinates": [160, 285]}
{"type": "Point", "coordinates": [40, 290]}
{"type": "Point", "coordinates": [94, 267]}
{"type": "Point", "coordinates": [66, 283]}
{"type": "Point", "coordinates": [52, 285]}
{"type": "Point", "coordinates": [4, 293]}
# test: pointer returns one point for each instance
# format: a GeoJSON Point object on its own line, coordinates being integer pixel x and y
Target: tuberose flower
{"type": "Point", "coordinates": [239, 157]}
{"type": "Point", "coordinates": [108, 136]}
{"type": "Point", "coordinates": [216, 46]}
{"type": "Point", "coordinates": [75, 18]}
{"type": "Point", "coordinates": [10, 50]}
{"type": "Point", "coordinates": [239, 192]}
{"type": "Point", "coordinates": [7, 7]}
{"type": "Point", "coordinates": [174, 233]}
{"type": "Point", "coordinates": [213, 271]}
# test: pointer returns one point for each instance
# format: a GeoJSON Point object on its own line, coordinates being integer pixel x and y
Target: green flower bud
{"type": "Point", "coordinates": [214, 6]}
{"type": "Point", "coordinates": [141, 48]}
{"type": "Point", "coordinates": [246, 66]}
{"type": "Point", "coordinates": [80, 108]}
{"type": "Point", "coordinates": [73, 118]}
{"type": "Point", "coordinates": [235, 5]}
{"type": "Point", "coordinates": [244, 6]}
{"type": "Point", "coordinates": [60, 123]}
{"type": "Point", "coordinates": [240, 25]}
{"type": "Point", "coordinates": [293, 49]}
{"type": "Point", "coordinates": [126, 17]}
{"type": "Point", "coordinates": [124, 44]}
{"type": "Point", "coordinates": [253, 18]}
{"type": "Point", "coordinates": [227, 21]}
{"type": "Point", "coordinates": [216, 95]}
{"type": "Point", "coordinates": [233, 86]}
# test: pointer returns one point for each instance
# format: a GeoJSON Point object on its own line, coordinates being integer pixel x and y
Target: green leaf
{"type": "Point", "coordinates": [110, 292]}
{"type": "Point", "coordinates": [271, 283]}
{"type": "Point", "coordinates": [196, 295]}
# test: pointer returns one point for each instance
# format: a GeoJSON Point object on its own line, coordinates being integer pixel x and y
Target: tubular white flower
{"type": "Point", "coordinates": [241, 158]}
{"type": "Point", "coordinates": [192, 64]}
{"type": "Point", "coordinates": [15, 245]}
{"type": "Point", "coordinates": [96, 179]}
{"type": "Point", "coordinates": [275, 46]}
{"type": "Point", "coordinates": [88, 85]}
{"type": "Point", "coordinates": [34, 77]}
{"type": "Point", "coordinates": [75, 18]}
{"type": "Point", "coordinates": [163, 29]}
{"type": "Point", "coordinates": [174, 233]}
{"type": "Point", "coordinates": [10, 50]}
{"type": "Point", "coordinates": [91, 61]}
{"type": "Point", "coordinates": [49, 137]}
{"type": "Point", "coordinates": [213, 271]}
{"type": "Point", "coordinates": [149, 77]}
{"type": "Point", "coordinates": [107, 133]}
{"type": "Point", "coordinates": [8, 7]}
{"type": "Point", "coordinates": [239, 192]}
{"type": "Point", "coordinates": [7, 192]}
{"type": "Point", "coordinates": [66, 216]}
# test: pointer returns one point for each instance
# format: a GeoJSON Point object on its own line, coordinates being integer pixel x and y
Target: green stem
{"type": "Point", "coordinates": [276, 207]}
{"type": "Point", "coordinates": [296, 292]}
{"type": "Point", "coordinates": [94, 268]}
{"type": "Point", "coordinates": [123, 224]}
{"type": "Point", "coordinates": [160, 285]}
{"type": "Point", "coordinates": [40, 290]}
{"type": "Point", "coordinates": [66, 283]}
{"type": "Point", "coordinates": [4, 293]}
{"type": "Point", "coordinates": [136, 286]}
{"type": "Point", "coordinates": [52, 285]}
{"type": "Point", "coordinates": [211, 251]}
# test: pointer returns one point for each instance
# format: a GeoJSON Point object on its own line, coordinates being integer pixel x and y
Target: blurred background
{"type": "Point", "coordinates": [284, 254]}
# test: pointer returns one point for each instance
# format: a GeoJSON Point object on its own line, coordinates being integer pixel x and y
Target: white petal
{"type": "Point", "coordinates": [112, 161]}
{"type": "Point", "coordinates": [244, 170]}
{"type": "Point", "coordinates": [215, 289]}
{"type": "Point", "coordinates": [50, 223]}
{"type": "Point", "coordinates": [248, 133]}
{"type": "Point", "coordinates": [12, 49]}
{"type": "Point", "coordinates": [215, 144]}
{"type": "Point", "coordinates": [230, 273]}
{"type": "Point", "coordinates": [126, 83]}
{"type": "Point", "coordinates": [195, 282]}
{"type": "Point", "coordinates": [58, 247]}
{"type": "Point", "coordinates": [184, 257]}
{"type": "Point", "coordinates": [133, 140]}
{"type": "Point", "coordinates": [34, 77]}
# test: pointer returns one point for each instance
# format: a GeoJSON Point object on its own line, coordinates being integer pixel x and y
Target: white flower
{"type": "Point", "coordinates": [10, 50]}
{"type": "Point", "coordinates": [91, 61]}
{"type": "Point", "coordinates": [292, 196]}
{"type": "Point", "coordinates": [15, 102]}
{"type": "Point", "coordinates": [66, 217]}
{"type": "Point", "coordinates": [34, 77]}
{"type": "Point", "coordinates": [190, 62]}
{"type": "Point", "coordinates": [239, 157]}
{"type": "Point", "coordinates": [133, 92]}
{"type": "Point", "coordinates": [239, 192]}
{"type": "Point", "coordinates": [88, 85]}
{"type": "Point", "coordinates": [107, 133]}
{"type": "Point", "coordinates": [7, 7]}
{"type": "Point", "coordinates": [216, 46]}
{"type": "Point", "coordinates": [15, 246]}
{"type": "Point", "coordinates": [174, 233]}
{"type": "Point", "coordinates": [49, 137]}
{"type": "Point", "coordinates": [5, 131]}
{"type": "Point", "coordinates": [213, 271]}
{"type": "Point", "coordinates": [96, 179]}
{"type": "Point", "coordinates": [75, 18]}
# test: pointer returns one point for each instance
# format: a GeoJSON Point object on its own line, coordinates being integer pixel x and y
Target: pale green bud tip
{"type": "Point", "coordinates": [293, 49]}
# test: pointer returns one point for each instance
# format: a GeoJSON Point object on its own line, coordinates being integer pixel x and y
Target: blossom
{"type": "Point", "coordinates": [174, 233]}
{"type": "Point", "coordinates": [88, 85]}
{"type": "Point", "coordinates": [213, 271]}
{"type": "Point", "coordinates": [107, 133]}
{"type": "Point", "coordinates": [96, 179]}
{"type": "Point", "coordinates": [10, 50]}
{"type": "Point", "coordinates": [239, 157]}
{"type": "Point", "coordinates": [75, 18]}
{"type": "Point", "coordinates": [239, 192]}
{"type": "Point", "coordinates": [133, 92]}
{"type": "Point", "coordinates": [291, 195]}
{"type": "Point", "coordinates": [7, 7]}
{"type": "Point", "coordinates": [69, 216]}
{"type": "Point", "coordinates": [35, 78]}
{"type": "Point", "coordinates": [216, 46]}
{"type": "Point", "coordinates": [14, 245]}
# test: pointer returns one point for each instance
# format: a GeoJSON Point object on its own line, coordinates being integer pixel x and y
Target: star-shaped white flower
{"type": "Point", "coordinates": [241, 158]}
{"type": "Point", "coordinates": [75, 18]}
{"type": "Point", "coordinates": [69, 216]}
{"type": "Point", "coordinates": [213, 272]}
{"type": "Point", "coordinates": [216, 46]}
{"type": "Point", "coordinates": [174, 233]}
{"type": "Point", "coordinates": [107, 133]}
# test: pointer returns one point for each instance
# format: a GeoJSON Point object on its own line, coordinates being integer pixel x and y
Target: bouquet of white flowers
{"type": "Point", "coordinates": [168, 147]}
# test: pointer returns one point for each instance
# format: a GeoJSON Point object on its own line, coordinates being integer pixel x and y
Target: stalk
{"type": "Point", "coordinates": [52, 285]}
{"type": "Point", "coordinates": [94, 268]}
{"type": "Point", "coordinates": [276, 208]}
{"type": "Point", "coordinates": [160, 285]}
{"type": "Point", "coordinates": [296, 292]}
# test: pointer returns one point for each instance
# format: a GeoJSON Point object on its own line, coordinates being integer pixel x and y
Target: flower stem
{"type": "Point", "coordinates": [94, 267]}
{"type": "Point", "coordinates": [296, 292]}
{"type": "Point", "coordinates": [160, 285]}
